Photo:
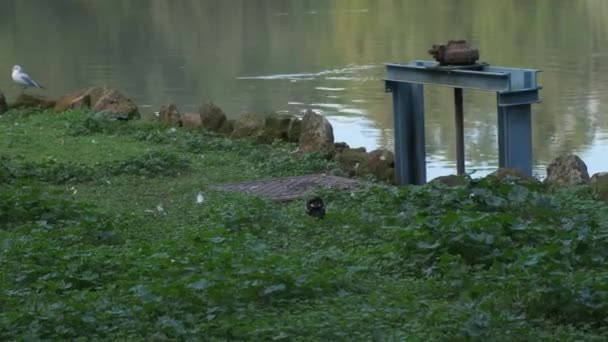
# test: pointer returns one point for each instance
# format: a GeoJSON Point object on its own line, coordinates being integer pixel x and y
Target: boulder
{"type": "Point", "coordinates": [93, 94]}
{"type": "Point", "coordinates": [248, 125]}
{"type": "Point", "coordinates": [37, 101]}
{"type": "Point", "coordinates": [510, 175]}
{"type": "Point", "coordinates": [567, 170]}
{"type": "Point", "coordinates": [317, 135]}
{"type": "Point", "coordinates": [3, 105]}
{"type": "Point", "coordinates": [169, 115]}
{"type": "Point", "coordinates": [113, 102]}
{"type": "Point", "coordinates": [450, 181]}
{"type": "Point", "coordinates": [96, 93]}
{"type": "Point", "coordinates": [276, 127]}
{"type": "Point", "coordinates": [599, 186]}
{"type": "Point", "coordinates": [75, 100]}
{"type": "Point", "coordinates": [192, 121]}
{"type": "Point", "coordinates": [350, 160]}
{"type": "Point", "coordinates": [227, 127]}
{"type": "Point", "coordinates": [294, 130]}
{"type": "Point", "coordinates": [212, 117]}
{"type": "Point", "coordinates": [341, 146]}
{"type": "Point", "coordinates": [381, 164]}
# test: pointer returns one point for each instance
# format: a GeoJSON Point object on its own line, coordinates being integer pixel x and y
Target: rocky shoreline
{"type": "Point", "coordinates": [313, 133]}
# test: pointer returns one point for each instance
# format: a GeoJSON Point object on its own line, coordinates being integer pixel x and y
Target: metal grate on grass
{"type": "Point", "coordinates": [289, 188]}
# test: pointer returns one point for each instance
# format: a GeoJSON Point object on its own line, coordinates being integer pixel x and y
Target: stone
{"type": "Point", "coordinates": [33, 101]}
{"type": "Point", "coordinates": [72, 100]}
{"type": "Point", "coordinates": [169, 115]}
{"type": "Point", "coordinates": [3, 105]}
{"type": "Point", "coordinates": [450, 181]}
{"type": "Point", "coordinates": [340, 146]}
{"type": "Point", "coordinates": [227, 127]}
{"type": "Point", "coordinates": [212, 117]}
{"type": "Point", "coordinates": [276, 127]}
{"type": "Point", "coordinates": [381, 164]}
{"type": "Point", "coordinates": [567, 170]}
{"type": "Point", "coordinates": [599, 186]}
{"type": "Point", "coordinates": [317, 134]}
{"type": "Point", "coordinates": [511, 175]}
{"type": "Point", "coordinates": [248, 125]}
{"type": "Point", "coordinates": [350, 160]}
{"type": "Point", "coordinates": [192, 121]}
{"type": "Point", "coordinates": [75, 100]}
{"type": "Point", "coordinates": [294, 130]}
{"type": "Point", "coordinates": [113, 102]}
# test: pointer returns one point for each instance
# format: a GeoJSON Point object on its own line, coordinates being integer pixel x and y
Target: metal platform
{"type": "Point", "coordinates": [517, 89]}
{"type": "Point", "coordinates": [290, 188]}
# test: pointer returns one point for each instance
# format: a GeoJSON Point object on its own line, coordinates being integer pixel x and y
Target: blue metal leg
{"type": "Point", "coordinates": [419, 143]}
{"type": "Point", "coordinates": [514, 135]}
{"type": "Point", "coordinates": [408, 113]}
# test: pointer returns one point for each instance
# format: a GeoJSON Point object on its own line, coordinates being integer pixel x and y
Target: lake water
{"type": "Point", "coordinates": [291, 55]}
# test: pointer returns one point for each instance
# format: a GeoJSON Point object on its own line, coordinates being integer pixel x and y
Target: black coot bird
{"type": "Point", "coordinates": [315, 207]}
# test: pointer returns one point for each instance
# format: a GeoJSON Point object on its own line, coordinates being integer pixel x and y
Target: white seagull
{"type": "Point", "coordinates": [23, 79]}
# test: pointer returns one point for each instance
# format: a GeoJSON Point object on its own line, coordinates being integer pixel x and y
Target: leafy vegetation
{"type": "Point", "coordinates": [134, 245]}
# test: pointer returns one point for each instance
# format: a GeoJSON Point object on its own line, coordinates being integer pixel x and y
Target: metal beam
{"type": "Point", "coordinates": [408, 116]}
{"type": "Point", "coordinates": [488, 78]}
{"type": "Point", "coordinates": [517, 90]}
{"type": "Point", "coordinates": [459, 123]}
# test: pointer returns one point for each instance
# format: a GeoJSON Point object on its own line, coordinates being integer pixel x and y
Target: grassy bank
{"type": "Point", "coordinates": [102, 236]}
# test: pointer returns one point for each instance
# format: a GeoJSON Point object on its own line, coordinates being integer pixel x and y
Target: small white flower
{"type": "Point", "coordinates": [200, 198]}
{"type": "Point", "coordinates": [93, 141]}
{"type": "Point", "coordinates": [160, 208]}
{"type": "Point", "coordinates": [172, 129]}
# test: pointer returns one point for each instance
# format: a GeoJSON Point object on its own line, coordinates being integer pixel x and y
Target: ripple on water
{"type": "Point", "coordinates": [355, 111]}
{"type": "Point", "coordinates": [330, 89]}
{"type": "Point", "coordinates": [327, 105]}
{"type": "Point", "coordinates": [340, 72]}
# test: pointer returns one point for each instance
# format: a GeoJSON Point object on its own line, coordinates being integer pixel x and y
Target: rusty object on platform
{"type": "Point", "coordinates": [455, 52]}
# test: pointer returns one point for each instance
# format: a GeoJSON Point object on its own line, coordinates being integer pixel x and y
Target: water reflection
{"type": "Point", "coordinates": [291, 55]}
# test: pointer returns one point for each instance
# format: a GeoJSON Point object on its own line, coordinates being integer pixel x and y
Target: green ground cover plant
{"type": "Point", "coordinates": [109, 231]}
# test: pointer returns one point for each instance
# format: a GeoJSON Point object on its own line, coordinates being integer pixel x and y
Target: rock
{"type": "Point", "coordinates": [79, 98]}
{"type": "Point", "coordinates": [74, 100]}
{"type": "Point", "coordinates": [294, 130]}
{"type": "Point", "coordinates": [450, 181]}
{"type": "Point", "coordinates": [96, 93]}
{"type": "Point", "coordinates": [381, 164]}
{"type": "Point", "coordinates": [599, 186]}
{"type": "Point", "coordinates": [248, 125]}
{"type": "Point", "coordinates": [340, 146]}
{"type": "Point", "coordinates": [567, 170]}
{"type": "Point", "coordinates": [510, 175]}
{"type": "Point", "coordinates": [212, 117]}
{"type": "Point", "coordinates": [169, 115]}
{"type": "Point", "coordinates": [227, 127]}
{"type": "Point", "coordinates": [192, 121]}
{"type": "Point", "coordinates": [112, 102]}
{"type": "Point", "coordinates": [29, 101]}
{"type": "Point", "coordinates": [317, 135]}
{"type": "Point", "coordinates": [3, 105]}
{"type": "Point", "coordinates": [276, 127]}
{"type": "Point", "coordinates": [350, 160]}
